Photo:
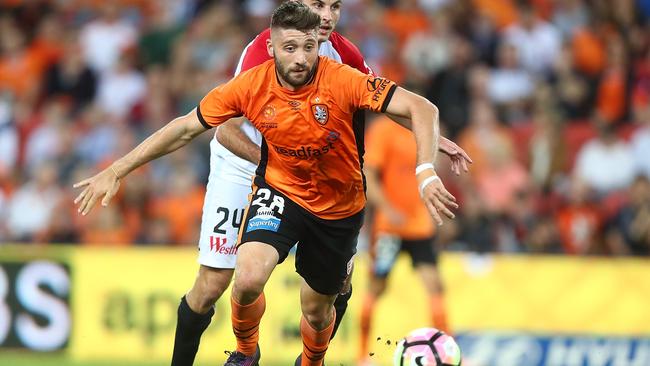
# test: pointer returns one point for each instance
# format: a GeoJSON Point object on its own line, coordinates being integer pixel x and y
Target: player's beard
{"type": "Point", "coordinates": [284, 72]}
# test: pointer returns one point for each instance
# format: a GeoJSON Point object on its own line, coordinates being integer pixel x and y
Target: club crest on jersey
{"type": "Point", "coordinates": [320, 113]}
{"type": "Point", "coordinates": [269, 112]}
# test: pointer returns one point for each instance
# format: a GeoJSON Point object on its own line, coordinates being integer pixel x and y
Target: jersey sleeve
{"type": "Point", "coordinates": [224, 102]}
{"type": "Point", "coordinates": [255, 53]}
{"type": "Point", "coordinates": [361, 90]}
{"type": "Point", "coordinates": [377, 139]}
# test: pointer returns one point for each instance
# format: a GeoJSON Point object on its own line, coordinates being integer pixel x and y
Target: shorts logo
{"type": "Point", "coordinates": [218, 245]}
{"type": "Point", "coordinates": [264, 219]}
{"type": "Point", "coordinates": [320, 113]}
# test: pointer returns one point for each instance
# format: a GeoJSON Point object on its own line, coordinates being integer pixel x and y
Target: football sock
{"type": "Point", "coordinates": [246, 323]}
{"type": "Point", "coordinates": [189, 328]}
{"type": "Point", "coordinates": [341, 305]}
{"type": "Point", "coordinates": [438, 313]}
{"type": "Point", "coordinates": [314, 342]}
{"type": "Point", "coordinates": [366, 319]}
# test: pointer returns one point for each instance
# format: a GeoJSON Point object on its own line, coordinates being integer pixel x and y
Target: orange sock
{"type": "Point", "coordinates": [438, 313]}
{"type": "Point", "coordinates": [366, 323]}
{"type": "Point", "coordinates": [246, 323]}
{"type": "Point", "coordinates": [314, 342]}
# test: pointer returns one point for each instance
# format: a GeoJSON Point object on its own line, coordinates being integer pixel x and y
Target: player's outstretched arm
{"type": "Point", "coordinates": [105, 184]}
{"type": "Point", "coordinates": [425, 126]}
{"type": "Point", "coordinates": [231, 136]}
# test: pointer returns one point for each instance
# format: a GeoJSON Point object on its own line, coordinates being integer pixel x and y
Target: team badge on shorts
{"type": "Point", "coordinates": [320, 113]}
{"type": "Point", "coordinates": [264, 219]}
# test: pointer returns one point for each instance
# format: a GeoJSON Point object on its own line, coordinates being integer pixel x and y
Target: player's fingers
{"type": "Point", "coordinates": [455, 167]}
{"type": "Point", "coordinates": [448, 195]}
{"type": "Point", "coordinates": [84, 201]}
{"type": "Point", "coordinates": [444, 209]}
{"type": "Point", "coordinates": [90, 204]}
{"type": "Point", "coordinates": [84, 182]}
{"type": "Point", "coordinates": [465, 166]}
{"type": "Point", "coordinates": [445, 200]}
{"type": "Point", "coordinates": [465, 156]}
{"type": "Point", "coordinates": [434, 212]}
{"type": "Point", "coordinates": [81, 196]}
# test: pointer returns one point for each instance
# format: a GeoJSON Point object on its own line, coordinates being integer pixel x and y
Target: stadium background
{"type": "Point", "coordinates": [546, 264]}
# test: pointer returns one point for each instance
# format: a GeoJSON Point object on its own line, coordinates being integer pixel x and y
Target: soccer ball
{"type": "Point", "coordinates": [427, 347]}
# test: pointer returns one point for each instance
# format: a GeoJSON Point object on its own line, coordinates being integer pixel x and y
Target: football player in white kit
{"type": "Point", "coordinates": [234, 154]}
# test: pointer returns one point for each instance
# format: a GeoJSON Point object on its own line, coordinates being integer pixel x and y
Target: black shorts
{"type": "Point", "coordinates": [387, 248]}
{"type": "Point", "coordinates": [325, 247]}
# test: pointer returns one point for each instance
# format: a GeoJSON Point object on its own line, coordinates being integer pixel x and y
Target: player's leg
{"type": "Point", "coordinates": [425, 261]}
{"type": "Point", "coordinates": [316, 324]}
{"type": "Point", "coordinates": [267, 234]}
{"type": "Point", "coordinates": [195, 312]}
{"type": "Point", "coordinates": [255, 263]}
{"type": "Point", "coordinates": [324, 260]}
{"type": "Point", "coordinates": [384, 253]}
{"type": "Point", "coordinates": [223, 210]}
{"type": "Point", "coordinates": [341, 302]}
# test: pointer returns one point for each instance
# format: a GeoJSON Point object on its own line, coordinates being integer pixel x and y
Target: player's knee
{"type": "Point", "coordinates": [318, 315]}
{"type": "Point", "coordinates": [248, 286]}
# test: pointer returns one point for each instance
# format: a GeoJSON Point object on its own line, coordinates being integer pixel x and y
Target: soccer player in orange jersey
{"type": "Point", "coordinates": [309, 186]}
{"type": "Point", "coordinates": [401, 222]}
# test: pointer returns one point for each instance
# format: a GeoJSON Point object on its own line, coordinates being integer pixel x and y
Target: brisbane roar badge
{"type": "Point", "coordinates": [320, 113]}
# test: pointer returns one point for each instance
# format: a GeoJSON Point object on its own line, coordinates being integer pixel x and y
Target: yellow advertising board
{"type": "Point", "coordinates": [125, 307]}
{"type": "Point", "coordinates": [122, 302]}
{"type": "Point", "coordinates": [549, 294]}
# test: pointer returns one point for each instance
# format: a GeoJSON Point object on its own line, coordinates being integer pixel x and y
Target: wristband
{"type": "Point", "coordinates": [422, 167]}
{"type": "Point", "coordinates": [426, 182]}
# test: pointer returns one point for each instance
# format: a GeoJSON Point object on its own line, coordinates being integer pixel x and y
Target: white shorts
{"type": "Point", "coordinates": [223, 212]}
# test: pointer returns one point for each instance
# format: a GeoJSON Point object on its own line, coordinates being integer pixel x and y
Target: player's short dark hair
{"type": "Point", "coordinates": [294, 15]}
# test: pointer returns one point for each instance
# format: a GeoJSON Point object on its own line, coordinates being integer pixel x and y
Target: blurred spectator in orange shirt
{"type": "Point", "coordinates": [483, 135]}
{"type": "Point", "coordinates": [580, 221]}
{"type": "Point", "coordinates": [404, 19]}
{"type": "Point", "coordinates": [181, 206]}
{"type": "Point", "coordinates": [21, 67]}
{"type": "Point", "coordinates": [611, 101]}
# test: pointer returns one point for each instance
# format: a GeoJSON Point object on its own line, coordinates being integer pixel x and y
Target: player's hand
{"type": "Point", "coordinates": [103, 185]}
{"type": "Point", "coordinates": [437, 199]}
{"type": "Point", "coordinates": [458, 156]}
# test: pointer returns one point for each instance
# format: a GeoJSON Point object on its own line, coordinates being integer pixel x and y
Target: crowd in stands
{"type": "Point", "coordinates": [551, 98]}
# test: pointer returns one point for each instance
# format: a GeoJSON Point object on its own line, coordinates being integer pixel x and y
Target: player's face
{"type": "Point", "coordinates": [330, 13]}
{"type": "Point", "coordinates": [295, 54]}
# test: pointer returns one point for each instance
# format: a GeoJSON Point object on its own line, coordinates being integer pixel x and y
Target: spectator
{"type": "Point", "coordinates": [579, 221]}
{"type": "Point", "coordinates": [121, 89]}
{"type": "Point", "coordinates": [641, 142]}
{"type": "Point", "coordinates": [629, 230]}
{"type": "Point", "coordinates": [537, 41]}
{"type": "Point", "coordinates": [8, 136]}
{"type": "Point", "coordinates": [450, 87]}
{"type": "Point", "coordinates": [605, 163]}
{"type": "Point", "coordinates": [41, 195]}
{"type": "Point", "coordinates": [71, 77]}
{"type": "Point", "coordinates": [510, 87]}
{"type": "Point", "coordinates": [106, 38]}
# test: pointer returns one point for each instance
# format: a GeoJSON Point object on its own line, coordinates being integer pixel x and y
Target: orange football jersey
{"type": "Point", "coordinates": [311, 150]}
